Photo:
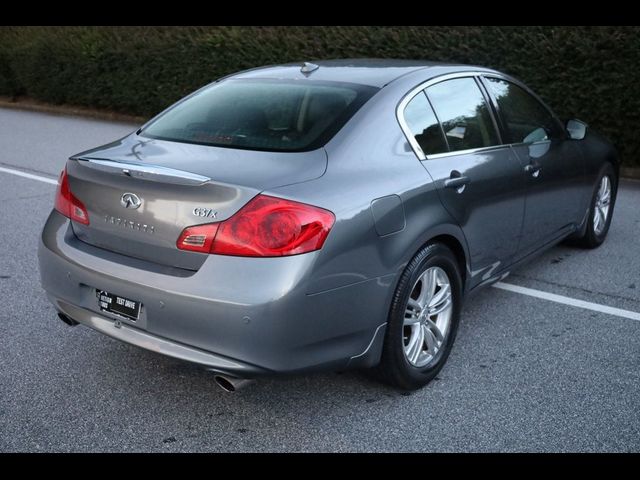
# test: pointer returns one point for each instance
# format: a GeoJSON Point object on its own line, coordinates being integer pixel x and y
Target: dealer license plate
{"type": "Point", "coordinates": [122, 306]}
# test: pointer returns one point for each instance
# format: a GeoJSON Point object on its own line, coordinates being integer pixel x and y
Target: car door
{"type": "Point", "coordinates": [480, 181]}
{"type": "Point", "coordinates": [554, 167]}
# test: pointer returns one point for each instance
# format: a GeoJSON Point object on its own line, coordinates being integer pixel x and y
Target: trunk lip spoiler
{"type": "Point", "coordinates": [154, 173]}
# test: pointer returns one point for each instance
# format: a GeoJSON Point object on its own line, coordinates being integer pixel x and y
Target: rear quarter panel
{"type": "Point", "coordinates": [369, 159]}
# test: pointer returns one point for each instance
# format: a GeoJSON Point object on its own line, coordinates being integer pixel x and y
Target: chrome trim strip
{"type": "Point", "coordinates": [154, 173]}
{"type": "Point", "coordinates": [415, 91]}
{"type": "Point", "coordinates": [524, 144]}
{"type": "Point", "coordinates": [147, 341]}
{"type": "Point", "coordinates": [485, 149]}
{"type": "Point", "coordinates": [464, 152]}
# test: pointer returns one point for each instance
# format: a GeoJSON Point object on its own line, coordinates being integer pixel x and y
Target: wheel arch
{"type": "Point", "coordinates": [452, 237]}
{"type": "Point", "coordinates": [458, 250]}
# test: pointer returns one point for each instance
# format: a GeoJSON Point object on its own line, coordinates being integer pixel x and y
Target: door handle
{"type": "Point", "coordinates": [533, 168]}
{"type": "Point", "coordinates": [457, 181]}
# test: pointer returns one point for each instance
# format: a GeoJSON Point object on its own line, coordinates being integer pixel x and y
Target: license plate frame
{"type": "Point", "coordinates": [118, 305]}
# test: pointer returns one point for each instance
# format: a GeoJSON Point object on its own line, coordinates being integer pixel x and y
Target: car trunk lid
{"type": "Point", "coordinates": [140, 194]}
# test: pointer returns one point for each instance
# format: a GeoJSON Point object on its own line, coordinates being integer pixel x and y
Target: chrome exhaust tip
{"type": "Point", "coordinates": [230, 384]}
{"type": "Point", "coordinates": [68, 320]}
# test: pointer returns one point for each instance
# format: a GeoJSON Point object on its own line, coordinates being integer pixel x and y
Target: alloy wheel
{"type": "Point", "coordinates": [603, 203]}
{"type": "Point", "coordinates": [427, 316]}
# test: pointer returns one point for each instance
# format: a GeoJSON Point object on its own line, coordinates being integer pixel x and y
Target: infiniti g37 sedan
{"type": "Point", "coordinates": [308, 217]}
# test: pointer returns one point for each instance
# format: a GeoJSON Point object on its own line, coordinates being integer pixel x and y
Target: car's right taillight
{"type": "Point", "coordinates": [265, 227]}
{"type": "Point", "coordinates": [66, 202]}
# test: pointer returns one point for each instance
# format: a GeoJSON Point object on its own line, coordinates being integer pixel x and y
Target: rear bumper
{"type": "Point", "coordinates": [240, 316]}
{"type": "Point", "coordinates": [142, 339]}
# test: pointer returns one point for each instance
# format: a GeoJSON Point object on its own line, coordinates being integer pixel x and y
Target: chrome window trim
{"type": "Point", "coordinates": [484, 149]}
{"type": "Point", "coordinates": [465, 152]}
{"type": "Point", "coordinates": [525, 144]}
{"type": "Point", "coordinates": [424, 85]}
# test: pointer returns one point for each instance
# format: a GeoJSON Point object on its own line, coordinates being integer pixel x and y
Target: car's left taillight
{"type": "Point", "coordinates": [67, 203]}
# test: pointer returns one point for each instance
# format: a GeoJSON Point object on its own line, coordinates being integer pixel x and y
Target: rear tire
{"type": "Point", "coordinates": [423, 319]}
{"type": "Point", "coordinates": [602, 204]}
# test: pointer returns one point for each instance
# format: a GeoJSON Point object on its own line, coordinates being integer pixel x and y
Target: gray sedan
{"type": "Point", "coordinates": [307, 217]}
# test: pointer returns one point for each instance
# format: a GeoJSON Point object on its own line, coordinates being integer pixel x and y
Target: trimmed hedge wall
{"type": "Point", "coordinates": [584, 72]}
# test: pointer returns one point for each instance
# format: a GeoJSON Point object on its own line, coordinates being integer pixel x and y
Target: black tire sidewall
{"type": "Point", "coordinates": [406, 375]}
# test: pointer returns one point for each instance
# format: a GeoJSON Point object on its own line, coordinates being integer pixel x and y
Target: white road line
{"type": "Point", "coordinates": [552, 297]}
{"type": "Point", "coordinates": [20, 173]}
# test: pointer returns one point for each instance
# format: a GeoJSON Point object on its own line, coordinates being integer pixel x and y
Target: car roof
{"type": "Point", "coordinates": [376, 72]}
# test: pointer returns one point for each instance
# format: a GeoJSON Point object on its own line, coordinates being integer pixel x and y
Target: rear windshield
{"type": "Point", "coordinates": [271, 115]}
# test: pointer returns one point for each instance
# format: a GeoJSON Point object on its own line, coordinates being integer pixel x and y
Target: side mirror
{"type": "Point", "coordinates": [576, 129]}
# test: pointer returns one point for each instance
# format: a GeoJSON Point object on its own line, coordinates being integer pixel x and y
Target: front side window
{"type": "Point", "coordinates": [463, 113]}
{"type": "Point", "coordinates": [424, 126]}
{"type": "Point", "coordinates": [525, 118]}
{"type": "Point", "coordinates": [268, 115]}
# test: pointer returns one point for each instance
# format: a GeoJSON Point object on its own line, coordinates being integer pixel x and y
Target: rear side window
{"type": "Point", "coordinates": [525, 118]}
{"type": "Point", "coordinates": [463, 113]}
{"type": "Point", "coordinates": [270, 115]}
{"type": "Point", "coordinates": [424, 126]}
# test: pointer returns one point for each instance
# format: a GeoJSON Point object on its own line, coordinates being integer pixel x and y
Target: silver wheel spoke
{"type": "Point", "coordinates": [412, 312]}
{"type": "Point", "coordinates": [429, 284]}
{"type": "Point", "coordinates": [430, 340]}
{"type": "Point", "coordinates": [596, 219]}
{"type": "Point", "coordinates": [441, 297]}
{"type": "Point", "coordinates": [603, 187]}
{"type": "Point", "coordinates": [427, 316]}
{"type": "Point", "coordinates": [410, 319]}
{"type": "Point", "coordinates": [601, 210]}
{"type": "Point", "coordinates": [414, 305]}
{"type": "Point", "coordinates": [440, 308]}
{"type": "Point", "coordinates": [415, 344]}
{"type": "Point", "coordinates": [433, 328]}
{"type": "Point", "coordinates": [433, 281]}
{"type": "Point", "coordinates": [603, 213]}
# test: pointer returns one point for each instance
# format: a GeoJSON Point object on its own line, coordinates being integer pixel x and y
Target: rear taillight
{"type": "Point", "coordinates": [66, 202]}
{"type": "Point", "coordinates": [264, 227]}
{"type": "Point", "coordinates": [198, 238]}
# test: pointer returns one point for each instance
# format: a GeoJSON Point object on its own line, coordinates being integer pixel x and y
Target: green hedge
{"type": "Point", "coordinates": [584, 72]}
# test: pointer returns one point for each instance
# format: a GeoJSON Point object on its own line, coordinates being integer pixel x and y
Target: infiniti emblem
{"type": "Point", "coordinates": [130, 200]}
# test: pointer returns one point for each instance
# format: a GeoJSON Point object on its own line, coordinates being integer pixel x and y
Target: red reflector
{"type": "Point", "coordinates": [264, 227]}
{"type": "Point", "coordinates": [67, 203]}
{"type": "Point", "coordinates": [198, 238]}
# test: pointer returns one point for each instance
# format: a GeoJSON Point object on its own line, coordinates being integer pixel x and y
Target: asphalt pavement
{"type": "Point", "coordinates": [525, 374]}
